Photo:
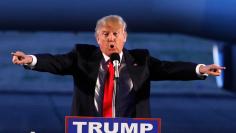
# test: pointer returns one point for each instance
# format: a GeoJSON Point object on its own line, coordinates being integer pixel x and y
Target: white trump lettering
{"type": "Point", "coordinates": [79, 126]}
{"type": "Point", "coordinates": [145, 127]}
{"type": "Point", "coordinates": [126, 129]}
{"type": "Point", "coordinates": [115, 127]}
{"type": "Point", "coordinates": [95, 126]}
{"type": "Point", "coordinates": [106, 127]}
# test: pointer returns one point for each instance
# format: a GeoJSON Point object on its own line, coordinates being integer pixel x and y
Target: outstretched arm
{"type": "Point", "coordinates": [56, 64]}
{"type": "Point", "coordinates": [166, 70]}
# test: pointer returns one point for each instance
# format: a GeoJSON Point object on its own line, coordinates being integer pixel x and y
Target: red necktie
{"type": "Point", "coordinates": [108, 91]}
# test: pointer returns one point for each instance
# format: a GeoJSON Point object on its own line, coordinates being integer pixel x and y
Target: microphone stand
{"type": "Point", "coordinates": [115, 60]}
{"type": "Point", "coordinates": [116, 86]}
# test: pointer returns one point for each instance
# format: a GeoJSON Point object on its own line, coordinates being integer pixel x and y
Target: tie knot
{"type": "Point", "coordinates": [110, 66]}
{"type": "Point", "coordinates": [109, 62]}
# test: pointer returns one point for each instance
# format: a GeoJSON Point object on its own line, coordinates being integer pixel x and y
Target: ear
{"type": "Point", "coordinates": [125, 34]}
{"type": "Point", "coordinates": [97, 38]}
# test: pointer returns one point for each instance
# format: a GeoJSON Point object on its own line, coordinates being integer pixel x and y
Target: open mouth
{"type": "Point", "coordinates": [111, 46]}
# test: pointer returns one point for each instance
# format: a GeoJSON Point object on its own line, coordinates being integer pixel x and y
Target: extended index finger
{"type": "Point", "coordinates": [214, 66]}
{"type": "Point", "coordinates": [17, 53]}
{"type": "Point", "coordinates": [220, 67]}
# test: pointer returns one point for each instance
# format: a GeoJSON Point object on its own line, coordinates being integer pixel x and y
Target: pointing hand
{"type": "Point", "coordinates": [20, 58]}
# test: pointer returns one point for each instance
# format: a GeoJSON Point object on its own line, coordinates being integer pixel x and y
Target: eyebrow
{"type": "Point", "coordinates": [111, 32]}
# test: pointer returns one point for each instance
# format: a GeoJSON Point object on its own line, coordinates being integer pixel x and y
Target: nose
{"type": "Point", "coordinates": [111, 37]}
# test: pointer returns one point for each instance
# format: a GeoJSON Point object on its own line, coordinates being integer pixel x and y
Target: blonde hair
{"type": "Point", "coordinates": [111, 18]}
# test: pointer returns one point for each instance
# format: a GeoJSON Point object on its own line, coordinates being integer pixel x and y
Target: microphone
{"type": "Point", "coordinates": [115, 58]}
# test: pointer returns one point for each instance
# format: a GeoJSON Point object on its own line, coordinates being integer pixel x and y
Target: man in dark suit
{"type": "Point", "coordinates": [88, 66]}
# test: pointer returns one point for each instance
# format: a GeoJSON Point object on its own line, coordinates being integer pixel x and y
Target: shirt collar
{"type": "Point", "coordinates": [107, 57]}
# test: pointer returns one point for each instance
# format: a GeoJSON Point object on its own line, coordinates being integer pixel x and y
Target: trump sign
{"type": "Point", "coordinates": [75, 124]}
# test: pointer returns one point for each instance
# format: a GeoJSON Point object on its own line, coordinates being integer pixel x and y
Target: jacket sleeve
{"type": "Point", "coordinates": [62, 64]}
{"type": "Point", "coordinates": [166, 70]}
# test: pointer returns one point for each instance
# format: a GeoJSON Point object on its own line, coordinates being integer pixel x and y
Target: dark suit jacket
{"type": "Point", "coordinates": [83, 64]}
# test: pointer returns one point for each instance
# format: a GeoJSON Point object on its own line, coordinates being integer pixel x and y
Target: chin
{"type": "Point", "coordinates": [113, 51]}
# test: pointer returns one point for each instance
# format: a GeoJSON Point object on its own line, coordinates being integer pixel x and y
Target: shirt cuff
{"type": "Point", "coordinates": [33, 63]}
{"type": "Point", "coordinates": [198, 70]}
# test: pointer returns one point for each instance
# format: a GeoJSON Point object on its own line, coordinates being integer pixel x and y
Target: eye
{"type": "Point", "coordinates": [105, 34]}
{"type": "Point", "coordinates": [115, 34]}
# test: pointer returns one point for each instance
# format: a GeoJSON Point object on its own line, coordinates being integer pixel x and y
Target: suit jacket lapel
{"type": "Point", "coordinates": [132, 68]}
{"type": "Point", "coordinates": [93, 64]}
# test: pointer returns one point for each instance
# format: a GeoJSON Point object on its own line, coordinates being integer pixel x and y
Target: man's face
{"type": "Point", "coordinates": [111, 39]}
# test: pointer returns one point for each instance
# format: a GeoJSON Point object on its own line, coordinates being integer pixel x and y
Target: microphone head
{"type": "Point", "coordinates": [115, 56]}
